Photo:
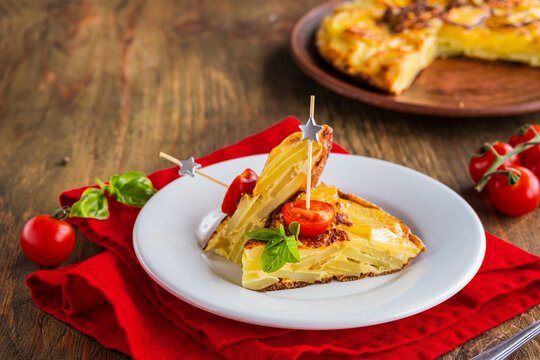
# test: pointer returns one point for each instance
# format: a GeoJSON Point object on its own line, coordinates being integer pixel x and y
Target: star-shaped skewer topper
{"type": "Point", "coordinates": [188, 167]}
{"type": "Point", "coordinates": [310, 130]}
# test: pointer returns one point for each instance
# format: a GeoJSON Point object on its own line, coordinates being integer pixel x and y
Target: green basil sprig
{"type": "Point", "coordinates": [132, 188]}
{"type": "Point", "coordinates": [280, 248]}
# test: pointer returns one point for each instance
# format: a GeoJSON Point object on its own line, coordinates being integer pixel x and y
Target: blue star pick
{"type": "Point", "coordinates": [188, 167]}
{"type": "Point", "coordinates": [310, 130]}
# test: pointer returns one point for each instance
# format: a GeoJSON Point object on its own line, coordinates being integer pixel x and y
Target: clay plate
{"type": "Point", "coordinates": [457, 87]}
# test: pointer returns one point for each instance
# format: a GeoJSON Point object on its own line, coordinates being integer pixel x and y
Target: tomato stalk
{"type": "Point", "coordinates": [61, 213]}
{"type": "Point", "coordinates": [513, 175]}
{"type": "Point", "coordinates": [500, 159]}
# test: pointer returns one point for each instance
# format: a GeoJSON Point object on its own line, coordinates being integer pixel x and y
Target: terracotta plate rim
{"type": "Point", "coordinates": [305, 61]}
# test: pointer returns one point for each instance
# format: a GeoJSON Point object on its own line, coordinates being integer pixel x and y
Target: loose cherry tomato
{"type": "Point", "coordinates": [527, 135]}
{"type": "Point", "coordinates": [243, 183]}
{"type": "Point", "coordinates": [518, 198]}
{"type": "Point", "coordinates": [313, 221]}
{"type": "Point", "coordinates": [478, 165]}
{"type": "Point", "coordinates": [47, 241]}
{"type": "Point", "coordinates": [534, 165]}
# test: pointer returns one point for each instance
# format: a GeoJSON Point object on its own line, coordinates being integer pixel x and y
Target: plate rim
{"type": "Point", "coordinates": [303, 59]}
{"type": "Point", "coordinates": [240, 316]}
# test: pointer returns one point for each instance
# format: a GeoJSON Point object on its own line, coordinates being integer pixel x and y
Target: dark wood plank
{"type": "Point", "coordinates": [110, 83]}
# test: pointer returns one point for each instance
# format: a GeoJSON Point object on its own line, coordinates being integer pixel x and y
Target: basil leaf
{"type": "Point", "coordinates": [270, 259]}
{"type": "Point", "coordinates": [294, 228]}
{"type": "Point", "coordinates": [274, 242]}
{"type": "Point", "coordinates": [282, 231]}
{"type": "Point", "coordinates": [265, 234]}
{"type": "Point", "coordinates": [93, 204]}
{"type": "Point", "coordinates": [132, 188]}
{"type": "Point", "coordinates": [288, 250]}
{"type": "Point", "coordinates": [100, 183]}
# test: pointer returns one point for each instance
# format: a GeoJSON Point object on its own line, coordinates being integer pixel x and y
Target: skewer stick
{"type": "Point", "coordinates": [211, 178]}
{"type": "Point", "coordinates": [310, 156]}
{"type": "Point", "coordinates": [177, 162]}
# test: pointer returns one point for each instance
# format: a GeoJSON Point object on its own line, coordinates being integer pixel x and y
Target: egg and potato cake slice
{"type": "Point", "coordinates": [362, 241]}
{"type": "Point", "coordinates": [388, 42]}
{"type": "Point", "coordinates": [284, 175]}
{"type": "Point", "coordinates": [382, 44]}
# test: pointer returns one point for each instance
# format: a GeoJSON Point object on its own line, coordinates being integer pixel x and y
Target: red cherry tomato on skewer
{"type": "Point", "coordinates": [46, 240]}
{"type": "Point", "coordinates": [515, 199]}
{"type": "Point", "coordinates": [243, 183]}
{"type": "Point", "coordinates": [313, 221]}
{"type": "Point", "coordinates": [478, 165]}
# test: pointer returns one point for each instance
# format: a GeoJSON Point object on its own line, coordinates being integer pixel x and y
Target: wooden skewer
{"type": "Point", "coordinates": [177, 162]}
{"type": "Point", "coordinates": [169, 157]}
{"type": "Point", "coordinates": [212, 179]}
{"type": "Point", "coordinates": [310, 151]}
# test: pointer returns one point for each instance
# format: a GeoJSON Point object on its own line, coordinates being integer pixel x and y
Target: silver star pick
{"type": "Point", "coordinates": [310, 130]}
{"type": "Point", "coordinates": [188, 167]}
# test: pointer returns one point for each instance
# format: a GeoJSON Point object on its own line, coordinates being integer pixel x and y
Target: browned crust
{"type": "Point", "coordinates": [415, 239]}
{"type": "Point", "coordinates": [378, 82]}
{"type": "Point", "coordinates": [287, 284]}
{"type": "Point", "coordinates": [415, 16]}
{"type": "Point", "coordinates": [251, 243]}
{"type": "Point", "coordinates": [326, 139]}
{"type": "Point", "coordinates": [325, 239]}
{"type": "Point", "coordinates": [357, 199]}
{"type": "Point", "coordinates": [342, 219]}
{"type": "Point", "coordinates": [284, 285]}
{"type": "Point", "coordinates": [219, 227]}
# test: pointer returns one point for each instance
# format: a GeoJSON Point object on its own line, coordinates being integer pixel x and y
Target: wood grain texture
{"type": "Point", "coordinates": [111, 83]}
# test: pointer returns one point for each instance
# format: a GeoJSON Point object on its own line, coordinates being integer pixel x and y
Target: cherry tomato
{"type": "Point", "coordinates": [478, 165]}
{"type": "Point", "coordinates": [534, 165]}
{"type": "Point", "coordinates": [47, 241]}
{"type": "Point", "coordinates": [243, 183]}
{"type": "Point", "coordinates": [517, 139]}
{"type": "Point", "coordinates": [518, 199]}
{"type": "Point", "coordinates": [313, 221]}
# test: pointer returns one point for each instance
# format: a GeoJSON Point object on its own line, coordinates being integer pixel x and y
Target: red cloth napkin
{"type": "Point", "coordinates": [112, 299]}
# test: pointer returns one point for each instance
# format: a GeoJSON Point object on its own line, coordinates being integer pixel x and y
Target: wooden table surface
{"type": "Point", "coordinates": [110, 83]}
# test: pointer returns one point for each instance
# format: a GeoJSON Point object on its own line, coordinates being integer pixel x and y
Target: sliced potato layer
{"type": "Point", "coordinates": [376, 243]}
{"type": "Point", "coordinates": [284, 174]}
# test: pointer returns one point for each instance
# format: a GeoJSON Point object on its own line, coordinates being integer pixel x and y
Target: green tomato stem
{"type": "Point", "coordinates": [513, 176]}
{"type": "Point", "coordinates": [61, 213]}
{"type": "Point", "coordinates": [500, 159]}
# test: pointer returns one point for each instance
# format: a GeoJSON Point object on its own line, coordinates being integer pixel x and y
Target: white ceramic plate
{"type": "Point", "coordinates": [176, 222]}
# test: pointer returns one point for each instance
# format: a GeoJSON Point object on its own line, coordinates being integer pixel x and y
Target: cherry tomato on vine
{"type": "Point", "coordinates": [478, 165]}
{"type": "Point", "coordinates": [534, 165]}
{"type": "Point", "coordinates": [243, 183]}
{"type": "Point", "coordinates": [313, 221]}
{"type": "Point", "coordinates": [46, 240]}
{"type": "Point", "coordinates": [517, 139]}
{"type": "Point", "coordinates": [515, 197]}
